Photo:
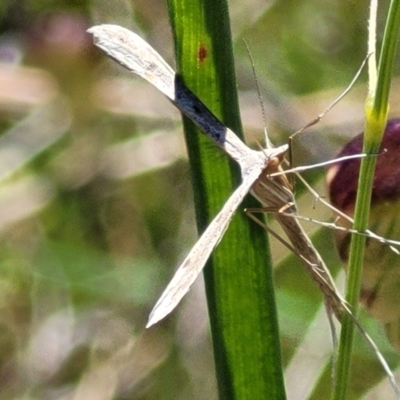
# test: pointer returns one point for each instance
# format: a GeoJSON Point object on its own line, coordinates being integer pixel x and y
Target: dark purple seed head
{"type": "Point", "coordinates": [343, 177]}
{"type": "Point", "coordinates": [380, 292]}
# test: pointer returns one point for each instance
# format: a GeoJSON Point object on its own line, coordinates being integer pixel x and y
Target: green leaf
{"type": "Point", "coordinates": [239, 276]}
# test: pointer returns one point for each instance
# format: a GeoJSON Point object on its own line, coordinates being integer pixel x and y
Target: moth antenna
{"type": "Point", "coordinates": [260, 98]}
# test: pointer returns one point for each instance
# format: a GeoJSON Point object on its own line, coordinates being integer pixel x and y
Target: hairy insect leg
{"type": "Point", "coordinates": [319, 117]}
{"type": "Point", "coordinates": [330, 312]}
{"type": "Point", "coordinates": [250, 212]}
{"type": "Point", "coordinates": [390, 243]}
{"type": "Point", "coordinates": [333, 104]}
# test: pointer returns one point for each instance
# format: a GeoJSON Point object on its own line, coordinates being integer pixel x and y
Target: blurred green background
{"type": "Point", "coordinates": [96, 207]}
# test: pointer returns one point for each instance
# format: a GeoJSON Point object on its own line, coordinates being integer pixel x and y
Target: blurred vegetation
{"type": "Point", "coordinates": [96, 205]}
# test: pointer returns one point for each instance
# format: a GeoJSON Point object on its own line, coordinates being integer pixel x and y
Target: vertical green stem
{"type": "Point", "coordinates": [376, 118]}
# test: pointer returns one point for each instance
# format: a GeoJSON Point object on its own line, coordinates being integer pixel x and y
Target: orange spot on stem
{"type": "Point", "coordinates": [202, 53]}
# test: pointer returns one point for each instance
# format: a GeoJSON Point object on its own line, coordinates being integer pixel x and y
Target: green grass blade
{"type": "Point", "coordinates": [376, 118]}
{"type": "Point", "coordinates": [239, 277]}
